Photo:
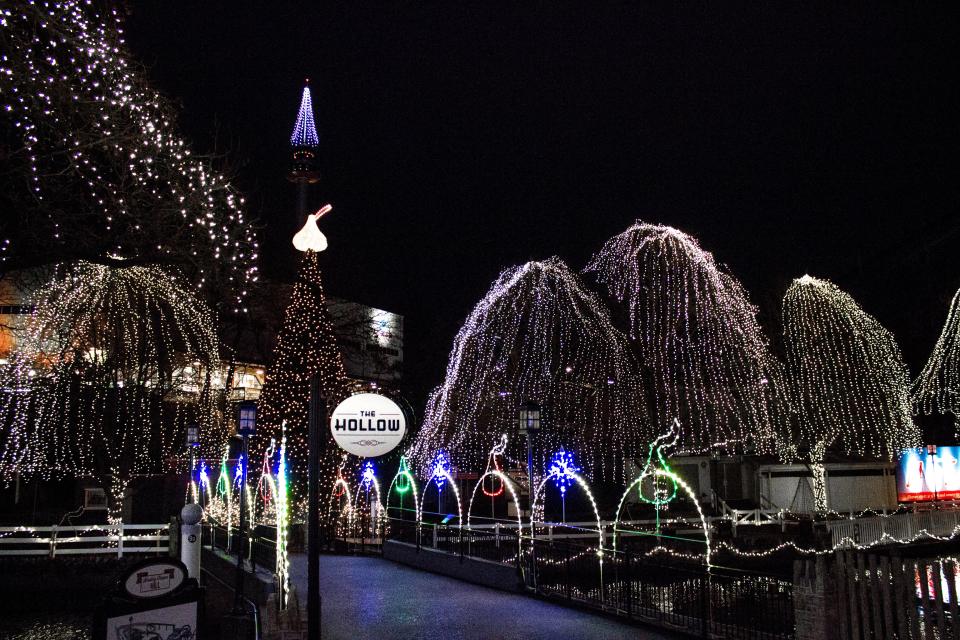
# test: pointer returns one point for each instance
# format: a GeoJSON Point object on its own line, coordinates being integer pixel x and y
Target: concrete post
{"type": "Point", "coordinates": [190, 517]}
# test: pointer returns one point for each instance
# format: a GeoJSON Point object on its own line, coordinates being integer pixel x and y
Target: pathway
{"type": "Point", "coordinates": [365, 597]}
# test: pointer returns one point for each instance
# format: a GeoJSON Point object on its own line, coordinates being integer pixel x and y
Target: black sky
{"type": "Point", "coordinates": [461, 138]}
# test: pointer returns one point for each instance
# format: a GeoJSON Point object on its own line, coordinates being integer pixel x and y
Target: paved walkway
{"type": "Point", "coordinates": [377, 599]}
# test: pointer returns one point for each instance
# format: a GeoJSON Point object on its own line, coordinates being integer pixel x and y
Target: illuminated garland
{"type": "Point", "coordinates": [848, 381]}
{"type": "Point", "coordinates": [705, 359]}
{"type": "Point", "coordinates": [937, 388]}
{"type": "Point", "coordinates": [493, 471]}
{"type": "Point", "coordinates": [537, 335]}
{"type": "Point", "coordinates": [106, 176]}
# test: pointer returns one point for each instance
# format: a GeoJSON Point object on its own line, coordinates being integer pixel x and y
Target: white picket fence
{"type": "Point", "coordinates": [900, 527]}
{"type": "Point", "coordinates": [53, 541]}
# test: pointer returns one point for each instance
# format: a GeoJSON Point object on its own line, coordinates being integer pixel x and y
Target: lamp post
{"type": "Point", "coordinates": [193, 441]}
{"type": "Point", "coordinates": [246, 427]}
{"type": "Point", "coordinates": [529, 423]}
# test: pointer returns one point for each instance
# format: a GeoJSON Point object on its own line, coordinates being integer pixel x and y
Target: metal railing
{"type": "Point", "coordinates": [669, 592]}
{"type": "Point", "coordinates": [53, 541]}
{"type": "Point", "coordinates": [900, 527]}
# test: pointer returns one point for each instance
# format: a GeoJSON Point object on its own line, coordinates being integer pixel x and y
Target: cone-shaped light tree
{"type": "Point", "coordinates": [538, 335]}
{"type": "Point", "coordinates": [704, 360]}
{"type": "Point", "coordinates": [847, 378]}
{"type": "Point", "coordinates": [937, 389]}
{"type": "Point", "coordinates": [306, 346]}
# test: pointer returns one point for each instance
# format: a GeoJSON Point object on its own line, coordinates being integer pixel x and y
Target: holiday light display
{"type": "Point", "coordinates": [848, 381]}
{"type": "Point", "coordinates": [340, 504]}
{"type": "Point", "coordinates": [493, 471]}
{"type": "Point", "coordinates": [937, 389]}
{"type": "Point", "coordinates": [439, 477]}
{"type": "Point", "coordinates": [563, 473]}
{"type": "Point", "coordinates": [537, 335]}
{"type": "Point", "coordinates": [112, 365]}
{"type": "Point", "coordinates": [403, 482]}
{"type": "Point", "coordinates": [705, 359]}
{"type": "Point", "coordinates": [283, 526]}
{"type": "Point", "coordinates": [306, 347]}
{"type": "Point", "coordinates": [657, 470]}
{"type": "Point", "coordinates": [106, 176]}
{"type": "Point", "coordinates": [310, 238]}
{"type": "Point", "coordinates": [493, 464]}
{"type": "Point", "coordinates": [304, 130]}
{"type": "Point", "coordinates": [372, 508]}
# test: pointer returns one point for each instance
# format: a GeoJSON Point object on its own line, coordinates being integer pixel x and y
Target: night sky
{"type": "Point", "coordinates": [458, 139]}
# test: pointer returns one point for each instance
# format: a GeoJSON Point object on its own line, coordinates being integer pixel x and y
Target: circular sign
{"type": "Point", "coordinates": [368, 425]}
{"type": "Point", "coordinates": [154, 578]}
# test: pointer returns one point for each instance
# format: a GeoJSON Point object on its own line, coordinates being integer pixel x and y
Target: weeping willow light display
{"type": "Point", "coordinates": [847, 379]}
{"type": "Point", "coordinates": [306, 347]}
{"type": "Point", "coordinates": [113, 363]}
{"type": "Point", "coordinates": [937, 389]}
{"type": "Point", "coordinates": [704, 358]}
{"type": "Point", "coordinates": [96, 168]}
{"type": "Point", "coordinates": [539, 336]}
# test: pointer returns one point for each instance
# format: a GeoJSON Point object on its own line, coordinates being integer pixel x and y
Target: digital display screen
{"type": "Point", "coordinates": [923, 476]}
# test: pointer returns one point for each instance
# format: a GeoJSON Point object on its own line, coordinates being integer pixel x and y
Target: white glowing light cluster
{"type": "Point", "coordinates": [848, 381]}
{"type": "Point", "coordinates": [537, 335]}
{"type": "Point", "coordinates": [937, 389]}
{"type": "Point", "coordinates": [107, 177]}
{"type": "Point", "coordinates": [705, 360]}
{"type": "Point", "coordinates": [95, 385]}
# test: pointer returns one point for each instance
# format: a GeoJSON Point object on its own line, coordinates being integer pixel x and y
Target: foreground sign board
{"type": "Point", "coordinates": [368, 425]}
{"type": "Point", "coordinates": [925, 475]}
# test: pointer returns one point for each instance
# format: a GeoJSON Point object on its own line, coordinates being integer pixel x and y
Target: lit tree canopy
{"type": "Point", "coordinates": [93, 166]}
{"type": "Point", "coordinates": [937, 389]}
{"type": "Point", "coordinates": [539, 336]}
{"type": "Point", "coordinates": [705, 361]}
{"type": "Point", "coordinates": [847, 377]}
{"type": "Point", "coordinates": [112, 365]}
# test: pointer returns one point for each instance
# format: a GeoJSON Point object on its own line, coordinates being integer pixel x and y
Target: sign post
{"type": "Point", "coordinates": [318, 410]}
{"type": "Point", "coordinates": [246, 427]}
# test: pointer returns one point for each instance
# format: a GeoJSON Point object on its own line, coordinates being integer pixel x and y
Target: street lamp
{"type": "Point", "coordinates": [529, 423]}
{"type": "Point", "coordinates": [193, 441]}
{"type": "Point", "coordinates": [246, 427]}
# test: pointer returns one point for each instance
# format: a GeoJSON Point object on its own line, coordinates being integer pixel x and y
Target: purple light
{"type": "Point", "coordinates": [304, 131]}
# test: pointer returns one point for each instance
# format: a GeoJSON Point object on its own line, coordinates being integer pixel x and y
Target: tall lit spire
{"type": "Point", "coordinates": [304, 140]}
{"type": "Point", "coordinates": [304, 131]}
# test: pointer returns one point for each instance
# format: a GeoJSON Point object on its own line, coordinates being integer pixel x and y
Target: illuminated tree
{"type": "Point", "coordinates": [539, 336]}
{"type": "Point", "coordinates": [306, 346]}
{"type": "Point", "coordinates": [705, 361]}
{"type": "Point", "coordinates": [937, 389]}
{"type": "Point", "coordinates": [847, 378]}
{"type": "Point", "coordinates": [94, 167]}
{"type": "Point", "coordinates": [112, 365]}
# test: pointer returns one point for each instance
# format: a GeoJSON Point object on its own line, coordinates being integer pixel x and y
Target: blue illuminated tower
{"type": "Point", "coordinates": [304, 141]}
